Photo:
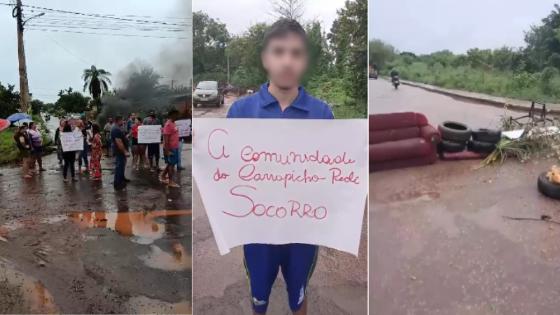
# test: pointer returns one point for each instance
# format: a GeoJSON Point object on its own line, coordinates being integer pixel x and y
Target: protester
{"type": "Point", "coordinates": [138, 150]}
{"type": "Point", "coordinates": [120, 150]}
{"type": "Point", "coordinates": [22, 142]}
{"type": "Point", "coordinates": [96, 153]}
{"type": "Point", "coordinates": [170, 149]}
{"type": "Point", "coordinates": [284, 57]}
{"type": "Point", "coordinates": [57, 141]}
{"type": "Point", "coordinates": [107, 134]}
{"type": "Point", "coordinates": [36, 141]}
{"type": "Point", "coordinates": [83, 154]}
{"type": "Point", "coordinates": [129, 122]}
{"type": "Point", "coordinates": [153, 148]}
{"type": "Point", "coordinates": [69, 158]}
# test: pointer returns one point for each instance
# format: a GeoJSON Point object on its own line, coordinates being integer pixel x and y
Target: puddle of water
{"type": "Point", "coordinates": [36, 298]}
{"type": "Point", "coordinates": [178, 260]}
{"type": "Point", "coordinates": [141, 227]}
{"type": "Point", "coordinates": [145, 305]}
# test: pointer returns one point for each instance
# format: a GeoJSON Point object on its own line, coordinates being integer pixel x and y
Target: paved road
{"type": "Point", "coordinates": [383, 98]}
{"type": "Point", "coordinates": [212, 111]}
{"type": "Point", "coordinates": [439, 243]}
{"type": "Point", "coordinates": [90, 249]}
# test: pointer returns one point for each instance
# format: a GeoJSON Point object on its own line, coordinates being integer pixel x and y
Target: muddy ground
{"type": "Point", "coordinates": [84, 248]}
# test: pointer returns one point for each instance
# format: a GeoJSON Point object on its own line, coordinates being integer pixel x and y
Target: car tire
{"type": "Point", "coordinates": [481, 146]}
{"type": "Point", "coordinates": [487, 135]}
{"type": "Point", "coordinates": [451, 146]}
{"type": "Point", "coordinates": [454, 131]}
{"type": "Point", "coordinates": [547, 187]}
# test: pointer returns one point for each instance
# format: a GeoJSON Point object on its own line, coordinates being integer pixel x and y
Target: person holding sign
{"type": "Point", "coordinates": [285, 59]}
{"type": "Point", "coordinates": [153, 148]}
{"type": "Point", "coordinates": [120, 150]}
{"type": "Point", "coordinates": [170, 149]}
{"type": "Point", "coordinates": [69, 157]}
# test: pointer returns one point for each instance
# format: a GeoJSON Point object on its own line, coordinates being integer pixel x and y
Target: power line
{"type": "Point", "coordinates": [105, 34]}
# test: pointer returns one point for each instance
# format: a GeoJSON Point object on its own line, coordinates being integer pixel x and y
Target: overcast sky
{"type": "Point", "coordinates": [424, 26]}
{"type": "Point", "coordinates": [56, 60]}
{"type": "Point", "coordinates": [240, 16]}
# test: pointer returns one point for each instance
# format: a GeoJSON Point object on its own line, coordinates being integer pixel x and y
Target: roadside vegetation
{"type": "Point", "coordinates": [528, 73]}
{"type": "Point", "coordinates": [338, 56]}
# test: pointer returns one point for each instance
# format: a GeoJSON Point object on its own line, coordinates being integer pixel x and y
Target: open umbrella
{"type": "Point", "coordinates": [22, 121]}
{"type": "Point", "coordinates": [4, 123]}
{"type": "Point", "coordinates": [17, 117]}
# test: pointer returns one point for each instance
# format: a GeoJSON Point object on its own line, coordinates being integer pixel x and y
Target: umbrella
{"type": "Point", "coordinates": [4, 123]}
{"type": "Point", "coordinates": [22, 121]}
{"type": "Point", "coordinates": [18, 116]}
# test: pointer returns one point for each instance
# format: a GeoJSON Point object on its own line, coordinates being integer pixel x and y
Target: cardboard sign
{"type": "Point", "coordinates": [72, 141]}
{"type": "Point", "coordinates": [278, 181]}
{"type": "Point", "coordinates": [184, 126]}
{"type": "Point", "coordinates": [149, 134]}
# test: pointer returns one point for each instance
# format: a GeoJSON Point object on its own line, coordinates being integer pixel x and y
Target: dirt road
{"type": "Point", "coordinates": [439, 242]}
{"type": "Point", "coordinates": [84, 248]}
{"type": "Point", "coordinates": [212, 111]}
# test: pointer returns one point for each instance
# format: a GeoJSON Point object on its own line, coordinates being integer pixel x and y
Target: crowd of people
{"type": "Point", "coordinates": [119, 138]}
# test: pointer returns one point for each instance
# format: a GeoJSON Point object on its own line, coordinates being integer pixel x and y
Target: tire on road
{"type": "Point", "coordinates": [481, 146]}
{"type": "Point", "coordinates": [547, 187]}
{"type": "Point", "coordinates": [454, 131]}
{"type": "Point", "coordinates": [451, 146]}
{"type": "Point", "coordinates": [487, 135]}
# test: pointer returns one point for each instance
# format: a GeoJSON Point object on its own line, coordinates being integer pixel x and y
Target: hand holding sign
{"type": "Point", "coordinates": [72, 141]}
{"type": "Point", "coordinates": [149, 134]}
{"type": "Point", "coordinates": [283, 181]}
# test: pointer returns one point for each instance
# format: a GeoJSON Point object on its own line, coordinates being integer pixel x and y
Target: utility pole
{"type": "Point", "coordinates": [23, 83]}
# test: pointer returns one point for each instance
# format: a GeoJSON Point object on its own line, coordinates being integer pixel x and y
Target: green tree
{"type": "Point", "coordinates": [70, 101]}
{"type": "Point", "coordinates": [380, 53]}
{"type": "Point", "coordinates": [96, 82]}
{"type": "Point", "coordinates": [210, 39]}
{"type": "Point", "coordinates": [9, 100]}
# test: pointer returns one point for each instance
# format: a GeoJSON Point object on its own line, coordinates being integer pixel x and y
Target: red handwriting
{"type": "Point", "coordinates": [249, 154]}
{"type": "Point", "coordinates": [292, 208]}
{"type": "Point", "coordinates": [248, 173]}
{"type": "Point", "coordinates": [210, 138]}
{"type": "Point", "coordinates": [218, 175]}
{"type": "Point", "coordinates": [338, 177]}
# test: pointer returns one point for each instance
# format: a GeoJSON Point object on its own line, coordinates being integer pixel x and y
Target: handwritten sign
{"type": "Point", "coordinates": [149, 134]}
{"type": "Point", "coordinates": [72, 141]}
{"type": "Point", "coordinates": [184, 126]}
{"type": "Point", "coordinates": [282, 181]}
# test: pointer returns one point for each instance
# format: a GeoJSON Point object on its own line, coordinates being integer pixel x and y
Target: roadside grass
{"type": "Point", "coordinates": [540, 86]}
{"type": "Point", "coordinates": [335, 92]}
{"type": "Point", "coordinates": [8, 150]}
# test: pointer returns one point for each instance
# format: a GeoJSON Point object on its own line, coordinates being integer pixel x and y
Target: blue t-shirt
{"type": "Point", "coordinates": [263, 105]}
{"type": "Point", "coordinates": [117, 133]}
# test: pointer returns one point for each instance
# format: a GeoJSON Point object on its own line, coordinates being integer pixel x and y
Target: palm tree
{"type": "Point", "coordinates": [97, 82]}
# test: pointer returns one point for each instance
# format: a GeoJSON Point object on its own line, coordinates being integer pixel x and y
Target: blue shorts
{"type": "Point", "coordinates": [173, 158]}
{"type": "Point", "coordinates": [262, 262]}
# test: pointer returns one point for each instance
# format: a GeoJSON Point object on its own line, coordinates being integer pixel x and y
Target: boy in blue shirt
{"type": "Point", "coordinates": [285, 59]}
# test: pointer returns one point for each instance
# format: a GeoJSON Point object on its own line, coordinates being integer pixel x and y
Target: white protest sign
{"type": "Point", "coordinates": [184, 126]}
{"type": "Point", "coordinates": [72, 141]}
{"type": "Point", "coordinates": [278, 181]}
{"type": "Point", "coordinates": [149, 134]}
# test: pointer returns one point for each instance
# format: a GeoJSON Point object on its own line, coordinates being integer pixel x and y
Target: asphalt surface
{"type": "Point", "coordinates": [338, 285]}
{"type": "Point", "coordinates": [439, 239]}
{"type": "Point", "coordinates": [82, 247]}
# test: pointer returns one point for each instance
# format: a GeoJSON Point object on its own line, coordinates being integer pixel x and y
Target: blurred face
{"type": "Point", "coordinates": [62, 123]}
{"type": "Point", "coordinates": [285, 60]}
{"type": "Point", "coordinates": [111, 120]}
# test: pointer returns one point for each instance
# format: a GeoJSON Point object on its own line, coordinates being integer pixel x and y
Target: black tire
{"type": "Point", "coordinates": [455, 131]}
{"type": "Point", "coordinates": [547, 187]}
{"type": "Point", "coordinates": [487, 135]}
{"type": "Point", "coordinates": [451, 146]}
{"type": "Point", "coordinates": [481, 146]}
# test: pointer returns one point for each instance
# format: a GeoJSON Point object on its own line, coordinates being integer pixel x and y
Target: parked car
{"type": "Point", "coordinates": [208, 93]}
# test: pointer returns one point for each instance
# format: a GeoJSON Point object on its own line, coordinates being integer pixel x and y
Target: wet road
{"type": "Point", "coordinates": [206, 111]}
{"type": "Point", "coordinates": [383, 98]}
{"type": "Point", "coordinates": [84, 248]}
{"type": "Point", "coordinates": [439, 243]}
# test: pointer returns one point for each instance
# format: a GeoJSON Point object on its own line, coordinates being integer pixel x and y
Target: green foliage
{"type": "Point", "coordinates": [210, 38]}
{"type": "Point", "coordinates": [9, 100]}
{"type": "Point", "coordinates": [8, 147]}
{"type": "Point", "coordinates": [70, 101]}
